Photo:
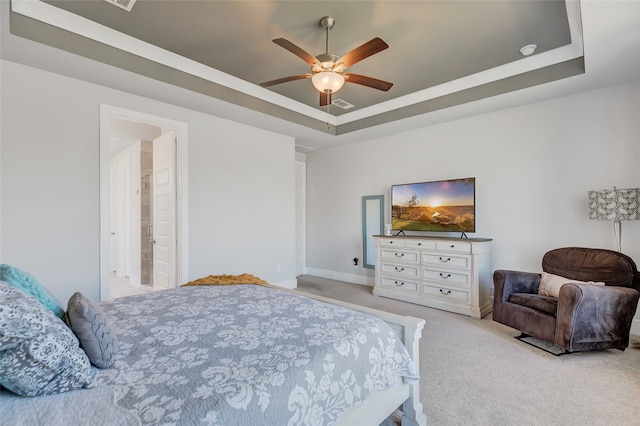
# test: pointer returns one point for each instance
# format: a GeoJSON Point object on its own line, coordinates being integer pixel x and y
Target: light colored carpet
{"type": "Point", "coordinates": [475, 373]}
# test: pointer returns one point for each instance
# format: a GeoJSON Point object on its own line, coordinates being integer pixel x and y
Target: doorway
{"type": "Point", "coordinates": [143, 202]}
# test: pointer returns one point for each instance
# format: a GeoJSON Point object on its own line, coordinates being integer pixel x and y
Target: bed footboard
{"type": "Point", "coordinates": [409, 330]}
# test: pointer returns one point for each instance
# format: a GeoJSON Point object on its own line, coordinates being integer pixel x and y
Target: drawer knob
{"type": "Point", "coordinates": [448, 292]}
{"type": "Point", "coordinates": [390, 242]}
{"type": "Point", "coordinates": [453, 245]}
{"type": "Point", "coordinates": [445, 260]}
{"type": "Point", "coordinates": [399, 269]}
{"type": "Point", "coordinates": [445, 276]}
{"type": "Point", "coordinates": [399, 284]}
{"type": "Point", "coordinates": [399, 255]}
{"type": "Point", "coordinates": [419, 244]}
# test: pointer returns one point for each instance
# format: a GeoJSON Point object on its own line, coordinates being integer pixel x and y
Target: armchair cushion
{"type": "Point", "coordinates": [550, 284]}
{"type": "Point", "coordinates": [546, 304]}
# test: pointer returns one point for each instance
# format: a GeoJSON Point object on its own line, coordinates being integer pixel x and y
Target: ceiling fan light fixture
{"type": "Point", "coordinates": [327, 69]}
{"type": "Point", "coordinates": [328, 81]}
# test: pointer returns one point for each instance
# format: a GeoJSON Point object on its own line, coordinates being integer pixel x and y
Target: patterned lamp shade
{"type": "Point", "coordinates": [615, 204]}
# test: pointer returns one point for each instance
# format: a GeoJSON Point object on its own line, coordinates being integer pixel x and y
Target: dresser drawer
{"type": "Point", "coordinates": [397, 269]}
{"type": "Point", "coordinates": [447, 293]}
{"type": "Point", "coordinates": [447, 276]}
{"type": "Point", "coordinates": [454, 246]}
{"type": "Point", "coordinates": [447, 260]}
{"type": "Point", "coordinates": [421, 244]}
{"type": "Point", "coordinates": [392, 242]}
{"type": "Point", "coordinates": [400, 284]}
{"type": "Point", "coordinates": [400, 255]}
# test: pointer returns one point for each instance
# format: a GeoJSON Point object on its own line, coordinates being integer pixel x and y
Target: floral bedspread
{"type": "Point", "coordinates": [241, 355]}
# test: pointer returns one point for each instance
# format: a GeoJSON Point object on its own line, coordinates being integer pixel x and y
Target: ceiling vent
{"type": "Point", "coordinates": [342, 104]}
{"type": "Point", "coordinates": [123, 4]}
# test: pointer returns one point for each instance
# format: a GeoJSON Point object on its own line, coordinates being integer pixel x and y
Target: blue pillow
{"type": "Point", "coordinates": [28, 284]}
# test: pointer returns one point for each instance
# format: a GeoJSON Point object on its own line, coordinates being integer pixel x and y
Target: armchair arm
{"type": "Point", "coordinates": [595, 317]}
{"type": "Point", "coordinates": [507, 282]}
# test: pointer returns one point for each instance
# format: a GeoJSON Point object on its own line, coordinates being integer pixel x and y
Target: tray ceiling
{"type": "Point", "coordinates": [441, 54]}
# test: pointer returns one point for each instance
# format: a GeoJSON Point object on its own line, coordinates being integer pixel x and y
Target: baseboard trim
{"type": "Point", "coordinates": [290, 284]}
{"type": "Point", "coordinates": [341, 276]}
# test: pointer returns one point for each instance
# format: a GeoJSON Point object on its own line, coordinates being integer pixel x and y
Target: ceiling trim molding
{"type": "Point", "coordinates": [51, 15]}
{"type": "Point", "coordinates": [277, 105]}
{"type": "Point", "coordinates": [508, 84]}
{"type": "Point", "coordinates": [525, 65]}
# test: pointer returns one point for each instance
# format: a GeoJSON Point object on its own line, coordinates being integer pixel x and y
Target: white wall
{"type": "Point", "coordinates": [241, 186]}
{"type": "Point", "coordinates": [533, 167]}
{"type": "Point", "coordinates": [242, 205]}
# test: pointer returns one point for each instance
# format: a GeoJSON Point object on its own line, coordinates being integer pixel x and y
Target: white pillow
{"type": "Point", "coordinates": [550, 284]}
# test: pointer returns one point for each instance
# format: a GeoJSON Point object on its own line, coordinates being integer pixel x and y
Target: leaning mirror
{"type": "Point", "coordinates": [372, 224]}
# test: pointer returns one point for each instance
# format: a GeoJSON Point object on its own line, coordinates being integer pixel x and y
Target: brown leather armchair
{"type": "Point", "coordinates": [584, 316]}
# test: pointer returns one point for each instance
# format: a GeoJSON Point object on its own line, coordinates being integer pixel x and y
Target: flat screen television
{"type": "Point", "coordinates": [438, 206]}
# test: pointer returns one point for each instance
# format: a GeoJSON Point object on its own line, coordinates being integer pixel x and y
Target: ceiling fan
{"type": "Point", "coordinates": [327, 69]}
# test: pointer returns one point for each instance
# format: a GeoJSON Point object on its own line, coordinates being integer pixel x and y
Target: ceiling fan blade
{"type": "Point", "coordinates": [325, 99]}
{"type": "Point", "coordinates": [362, 52]}
{"type": "Point", "coordinates": [367, 81]}
{"type": "Point", "coordinates": [298, 51]}
{"type": "Point", "coordinates": [285, 79]}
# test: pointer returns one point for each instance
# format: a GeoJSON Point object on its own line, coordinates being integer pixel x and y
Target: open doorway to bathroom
{"type": "Point", "coordinates": [131, 206]}
{"type": "Point", "coordinates": [143, 205]}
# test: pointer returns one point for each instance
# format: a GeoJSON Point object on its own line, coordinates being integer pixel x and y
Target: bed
{"type": "Point", "coordinates": [242, 355]}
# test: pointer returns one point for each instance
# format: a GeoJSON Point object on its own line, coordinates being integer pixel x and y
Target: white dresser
{"type": "Point", "coordinates": [452, 274]}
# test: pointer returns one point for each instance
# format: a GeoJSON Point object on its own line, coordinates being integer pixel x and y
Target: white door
{"type": "Point", "coordinates": [114, 236]}
{"type": "Point", "coordinates": [120, 222]}
{"type": "Point", "coordinates": [301, 183]}
{"type": "Point", "coordinates": [125, 215]}
{"type": "Point", "coordinates": [164, 210]}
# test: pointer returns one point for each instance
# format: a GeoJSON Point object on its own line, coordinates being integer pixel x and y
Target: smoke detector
{"type": "Point", "coordinates": [528, 49]}
{"type": "Point", "coordinates": [122, 4]}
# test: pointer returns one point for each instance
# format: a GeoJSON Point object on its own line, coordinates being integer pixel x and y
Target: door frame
{"type": "Point", "coordinates": [301, 216]}
{"type": "Point", "coordinates": [106, 113]}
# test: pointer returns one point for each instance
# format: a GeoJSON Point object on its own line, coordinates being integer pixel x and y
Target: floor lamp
{"type": "Point", "coordinates": [616, 205]}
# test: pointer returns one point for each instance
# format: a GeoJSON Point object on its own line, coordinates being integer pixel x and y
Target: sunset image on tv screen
{"type": "Point", "coordinates": [447, 205]}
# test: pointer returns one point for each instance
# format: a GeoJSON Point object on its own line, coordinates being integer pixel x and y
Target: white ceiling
{"type": "Point", "coordinates": [447, 60]}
